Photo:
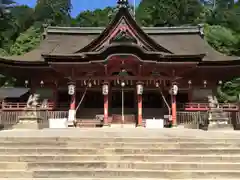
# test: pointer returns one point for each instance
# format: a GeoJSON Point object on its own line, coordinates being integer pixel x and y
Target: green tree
{"type": "Point", "coordinates": [23, 17]}
{"type": "Point", "coordinates": [13, 24]}
{"type": "Point", "coordinates": [53, 12]}
{"type": "Point", "coordinates": [168, 12]}
{"type": "Point", "coordinates": [226, 13]}
{"type": "Point", "coordinates": [222, 39]}
{"type": "Point", "coordinates": [4, 7]}
{"type": "Point", "coordinates": [229, 91]}
{"type": "Point", "coordinates": [96, 18]}
{"type": "Point", "coordinates": [27, 41]}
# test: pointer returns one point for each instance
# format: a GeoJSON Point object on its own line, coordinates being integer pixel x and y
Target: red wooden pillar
{"type": "Point", "coordinates": [174, 110]}
{"type": "Point", "coordinates": [73, 102]}
{"type": "Point", "coordinates": [139, 110]}
{"type": "Point", "coordinates": [105, 121]}
{"type": "Point", "coordinates": [105, 91]}
{"type": "Point", "coordinates": [139, 102]}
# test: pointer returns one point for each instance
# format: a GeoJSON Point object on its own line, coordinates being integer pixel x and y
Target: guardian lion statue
{"type": "Point", "coordinates": [33, 101]}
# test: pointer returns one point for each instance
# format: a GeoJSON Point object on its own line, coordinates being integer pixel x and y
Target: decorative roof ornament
{"type": "Point", "coordinates": [120, 4]}
{"type": "Point", "coordinates": [123, 3]}
{"type": "Point", "coordinates": [123, 36]}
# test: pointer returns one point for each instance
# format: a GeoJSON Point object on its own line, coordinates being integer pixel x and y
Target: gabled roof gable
{"type": "Point", "coordinates": [123, 25]}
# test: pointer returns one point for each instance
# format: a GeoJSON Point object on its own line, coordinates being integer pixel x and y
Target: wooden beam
{"type": "Point", "coordinates": [110, 78]}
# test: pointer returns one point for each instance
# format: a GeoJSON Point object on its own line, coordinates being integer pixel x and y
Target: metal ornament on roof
{"type": "Point", "coordinates": [125, 4]}
{"type": "Point", "coordinates": [122, 3]}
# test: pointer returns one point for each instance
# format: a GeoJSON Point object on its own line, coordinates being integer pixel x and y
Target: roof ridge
{"type": "Point", "coordinates": [148, 30]}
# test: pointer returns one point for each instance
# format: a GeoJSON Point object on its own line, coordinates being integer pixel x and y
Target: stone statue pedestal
{"type": "Point", "coordinates": [218, 119]}
{"type": "Point", "coordinates": [29, 120]}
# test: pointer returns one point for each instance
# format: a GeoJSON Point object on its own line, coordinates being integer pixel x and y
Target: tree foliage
{"type": "Point", "coordinates": [96, 18]}
{"type": "Point", "coordinates": [26, 41]}
{"type": "Point", "coordinates": [168, 12]}
{"type": "Point", "coordinates": [230, 91]}
{"type": "Point", "coordinates": [20, 24]}
{"type": "Point", "coordinates": [222, 39]}
{"type": "Point", "coordinates": [53, 12]}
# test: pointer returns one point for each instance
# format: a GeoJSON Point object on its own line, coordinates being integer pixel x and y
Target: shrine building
{"type": "Point", "coordinates": [121, 71]}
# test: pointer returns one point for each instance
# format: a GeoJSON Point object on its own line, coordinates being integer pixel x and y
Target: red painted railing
{"type": "Point", "coordinates": [187, 107]}
{"type": "Point", "coordinates": [205, 107]}
{"type": "Point", "coordinates": [22, 106]}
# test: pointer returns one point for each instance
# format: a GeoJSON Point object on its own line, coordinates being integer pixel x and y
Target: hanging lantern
{"type": "Point", "coordinates": [26, 83]}
{"type": "Point", "coordinates": [139, 89]}
{"type": "Point", "coordinates": [105, 89]}
{"type": "Point", "coordinates": [123, 84]}
{"type": "Point", "coordinates": [189, 83]}
{"type": "Point", "coordinates": [89, 84]}
{"type": "Point", "coordinates": [42, 83]}
{"type": "Point", "coordinates": [174, 90]}
{"type": "Point", "coordinates": [71, 89]}
{"type": "Point", "coordinates": [205, 83]}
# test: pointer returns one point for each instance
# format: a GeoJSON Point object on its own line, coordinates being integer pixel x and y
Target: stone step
{"type": "Point", "coordinates": [119, 173]}
{"type": "Point", "coordinates": [119, 151]}
{"type": "Point", "coordinates": [59, 140]}
{"type": "Point", "coordinates": [126, 157]}
{"type": "Point", "coordinates": [137, 165]}
{"type": "Point", "coordinates": [120, 145]}
{"type": "Point", "coordinates": [102, 179]}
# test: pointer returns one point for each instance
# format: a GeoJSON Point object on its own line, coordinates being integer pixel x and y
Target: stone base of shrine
{"type": "Point", "coordinates": [218, 126]}
{"type": "Point", "coordinates": [123, 126]}
{"type": "Point", "coordinates": [28, 122]}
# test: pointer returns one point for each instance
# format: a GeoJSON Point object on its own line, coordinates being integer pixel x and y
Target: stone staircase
{"type": "Point", "coordinates": [120, 154]}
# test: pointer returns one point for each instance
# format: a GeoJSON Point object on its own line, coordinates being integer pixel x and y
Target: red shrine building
{"type": "Point", "coordinates": [121, 71]}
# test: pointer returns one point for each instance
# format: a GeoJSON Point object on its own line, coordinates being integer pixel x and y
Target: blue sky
{"type": "Point", "coordinates": [81, 5]}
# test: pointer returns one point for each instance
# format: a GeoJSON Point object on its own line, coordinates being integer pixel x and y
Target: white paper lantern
{"type": "Point", "coordinates": [139, 89]}
{"type": "Point", "coordinates": [175, 89]}
{"type": "Point", "coordinates": [71, 89]}
{"type": "Point", "coordinates": [105, 89]}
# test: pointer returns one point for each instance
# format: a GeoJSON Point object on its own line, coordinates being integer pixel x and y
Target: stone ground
{"type": "Point", "coordinates": [126, 132]}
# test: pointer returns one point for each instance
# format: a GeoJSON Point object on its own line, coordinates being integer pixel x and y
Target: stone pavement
{"type": "Point", "coordinates": [119, 132]}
